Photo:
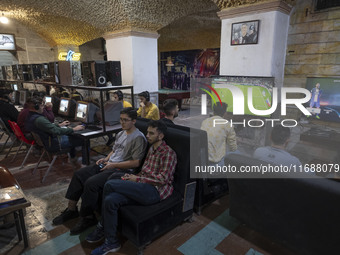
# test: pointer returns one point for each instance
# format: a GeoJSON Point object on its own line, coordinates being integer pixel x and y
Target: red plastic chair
{"type": "Point", "coordinates": [21, 137]}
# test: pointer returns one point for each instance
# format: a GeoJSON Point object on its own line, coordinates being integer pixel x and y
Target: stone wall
{"type": "Point", "coordinates": [31, 48]}
{"type": "Point", "coordinates": [313, 44]}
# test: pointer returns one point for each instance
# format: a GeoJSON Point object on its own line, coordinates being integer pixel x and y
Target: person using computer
{"type": "Point", "coordinates": [276, 153]}
{"type": "Point", "coordinates": [88, 183]}
{"type": "Point", "coordinates": [147, 109]}
{"type": "Point", "coordinates": [53, 136]}
{"type": "Point", "coordinates": [151, 185]}
{"type": "Point", "coordinates": [219, 136]}
{"type": "Point", "coordinates": [170, 108]}
{"type": "Point", "coordinates": [7, 109]}
{"type": "Point", "coordinates": [119, 96]}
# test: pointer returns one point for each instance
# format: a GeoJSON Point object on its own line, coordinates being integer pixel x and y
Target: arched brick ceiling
{"type": "Point", "coordinates": [69, 22]}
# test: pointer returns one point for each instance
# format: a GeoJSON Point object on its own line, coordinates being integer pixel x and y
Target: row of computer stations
{"type": "Point", "coordinates": [88, 112]}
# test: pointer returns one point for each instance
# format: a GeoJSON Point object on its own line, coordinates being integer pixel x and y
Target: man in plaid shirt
{"type": "Point", "coordinates": [151, 185]}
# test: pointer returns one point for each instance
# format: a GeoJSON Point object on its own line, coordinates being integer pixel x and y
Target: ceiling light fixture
{"type": "Point", "coordinates": [3, 19]}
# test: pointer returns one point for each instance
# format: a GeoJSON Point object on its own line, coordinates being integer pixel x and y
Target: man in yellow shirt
{"type": "Point", "coordinates": [147, 109]}
{"type": "Point", "coordinates": [118, 96]}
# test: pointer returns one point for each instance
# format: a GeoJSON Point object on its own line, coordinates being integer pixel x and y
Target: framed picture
{"type": "Point", "coordinates": [245, 32]}
{"type": "Point", "coordinates": [7, 42]}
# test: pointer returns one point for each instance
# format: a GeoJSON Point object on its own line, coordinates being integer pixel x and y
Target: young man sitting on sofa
{"type": "Point", "coordinates": [151, 185]}
{"type": "Point", "coordinates": [88, 182]}
{"type": "Point", "coordinates": [276, 153]}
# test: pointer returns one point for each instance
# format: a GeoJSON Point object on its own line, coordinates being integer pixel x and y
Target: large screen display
{"type": "Point", "coordinates": [325, 100]}
{"type": "Point", "coordinates": [262, 88]}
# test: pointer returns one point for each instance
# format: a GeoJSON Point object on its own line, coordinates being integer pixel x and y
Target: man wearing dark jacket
{"type": "Point", "coordinates": [53, 136]}
{"type": "Point", "coordinates": [7, 109]}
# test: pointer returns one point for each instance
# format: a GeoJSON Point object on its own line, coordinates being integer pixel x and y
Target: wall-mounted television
{"type": "Point", "coordinates": [7, 42]}
{"type": "Point", "coordinates": [325, 100]}
{"type": "Point", "coordinates": [262, 89]}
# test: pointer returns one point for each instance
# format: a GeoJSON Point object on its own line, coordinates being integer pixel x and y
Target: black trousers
{"type": "Point", "coordinates": [88, 183]}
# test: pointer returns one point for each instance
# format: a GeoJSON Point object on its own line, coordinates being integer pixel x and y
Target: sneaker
{"type": "Point", "coordinates": [66, 215]}
{"type": "Point", "coordinates": [105, 248]}
{"type": "Point", "coordinates": [83, 224]}
{"type": "Point", "coordinates": [97, 235]}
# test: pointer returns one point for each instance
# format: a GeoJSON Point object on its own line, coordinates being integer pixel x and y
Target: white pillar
{"type": "Point", "coordinates": [267, 57]}
{"type": "Point", "coordinates": [137, 53]}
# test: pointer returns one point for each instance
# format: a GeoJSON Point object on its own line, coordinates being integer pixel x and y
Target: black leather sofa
{"type": "Point", "coordinates": [300, 213]}
{"type": "Point", "coordinates": [142, 224]}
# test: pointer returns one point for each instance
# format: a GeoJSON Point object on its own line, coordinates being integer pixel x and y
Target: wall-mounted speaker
{"type": "Point", "coordinates": [99, 71]}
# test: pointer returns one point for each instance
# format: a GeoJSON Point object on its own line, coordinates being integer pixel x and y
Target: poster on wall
{"type": "Point", "coordinates": [177, 67]}
{"type": "Point", "coordinates": [246, 32]}
{"type": "Point", "coordinates": [7, 42]}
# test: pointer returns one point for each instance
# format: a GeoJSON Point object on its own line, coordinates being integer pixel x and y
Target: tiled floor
{"type": "Point", "coordinates": [212, 232]}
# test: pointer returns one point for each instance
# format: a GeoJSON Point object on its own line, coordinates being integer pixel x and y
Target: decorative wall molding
{"type": "Point", "coordinates": [233, 12]}
{"type": "Point", "coordinates": [131, 33]}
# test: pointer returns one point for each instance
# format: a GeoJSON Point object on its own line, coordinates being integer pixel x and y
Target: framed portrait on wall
{"type": "Point", "coordinates": [7, 42]}
{"type": "Point", "coordinates": [246, 32]}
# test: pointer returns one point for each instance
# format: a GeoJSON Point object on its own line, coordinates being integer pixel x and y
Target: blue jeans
{"type": "Point", "coordinates": [72, 142]}
{"type": "Point", "coordinates": [118, 193]}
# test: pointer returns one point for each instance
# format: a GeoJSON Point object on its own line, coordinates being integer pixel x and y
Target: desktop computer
{"type": "Point", "coordinates": [67, 107]}
{"type": "Point", "coordinates": [112, 112]}
{"type": "Point", "coordinates": [86, 112]}
{"type": "Point", "coordinates": [23, 96]}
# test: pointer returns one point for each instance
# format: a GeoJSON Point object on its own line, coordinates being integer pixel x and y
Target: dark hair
{"type": "Point", "coordinates": [5, 92]}
{"type": "Point", "coordinates": [219, 109]}
{"type": "Point", "coordinates": [119, 94]}
{"type": "Point", "coordinates": [280, 134]}
{"type": "Point", "coordinates": [34, 102]}
{"type": "Point", "coordinates": [159, 124]}
{"type": "Point", "coordinates": [129, 111]}
{"type": "Point", "coordinates": [39, 94]}
{"type": "Point", "coordinates": [169, 105]}
{"type": "Point", "coordinates": [145, 94]}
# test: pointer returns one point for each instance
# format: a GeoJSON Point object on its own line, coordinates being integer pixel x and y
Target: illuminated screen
{"type": "Point", "coordinates": [325, 100]}
{"type": "Point", "coordinates": [262, 88]}
{"type": "Point", "coordinates": [48, 99]}
{"type": "Point", "coordinates": [63, 105]}
{"type": "Point", "coordinates": [15, 87]}
{"type": "Point", "coordinates": [81, 111]}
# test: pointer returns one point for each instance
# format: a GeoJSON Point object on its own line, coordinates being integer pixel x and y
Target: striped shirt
{"type": "Point", "coordinates": [158, 169]}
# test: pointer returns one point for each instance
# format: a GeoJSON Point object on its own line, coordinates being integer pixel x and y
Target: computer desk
{"type": "Point", "coordinates": [98, 133]}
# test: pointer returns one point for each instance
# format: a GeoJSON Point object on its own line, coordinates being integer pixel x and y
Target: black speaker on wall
{"type": "Point", "coordinates": [113, 72]}
{"type": "Point", "coordinates": [98, 68]}
{"type": "Point", "coordinates": [87, 73]}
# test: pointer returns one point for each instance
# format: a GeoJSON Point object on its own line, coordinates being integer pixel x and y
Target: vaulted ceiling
{"type": "Point", "coordinates": [69, 22]}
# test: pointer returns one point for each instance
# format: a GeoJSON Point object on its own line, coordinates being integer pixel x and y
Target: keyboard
{"type": "Point", "coordinates": [92, 127]}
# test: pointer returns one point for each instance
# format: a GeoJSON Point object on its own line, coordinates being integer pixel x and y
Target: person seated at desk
{"type": "Point", "coordinates": [7, 109]}
{"type": "Point", "coordinates": [219, 136]}
{"type": "Point", "coordinates": [119, 97]}
{"type": "Point", "coordinates": [88, 183]}
{"type": "Point", "coordinates": [147, 109]}
{"type": "Point", "coordinates": [47, 112]}
{"type": "Point", "coordinates": [170, 108]}
{"type": "Point", "coordinates": [54, 137]}
{"type": "Point", "coordinates": [276, 154]}
{"type": "Point", "coordinates": [151, 185]}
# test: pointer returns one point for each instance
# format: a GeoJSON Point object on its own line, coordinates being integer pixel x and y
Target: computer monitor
{"type": "Point", "coordinates": [48, 99]}
{"type": "Point", "coordinates": [85, 112]}
{"type": "Point", "coordinates": [23, 96]}
{"type": "Point", "coordinates": [112, 112]}
{"type": "Point", "coordinates": [15, 87]}
{"type": "Point", "coordinates": [67, 107]}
